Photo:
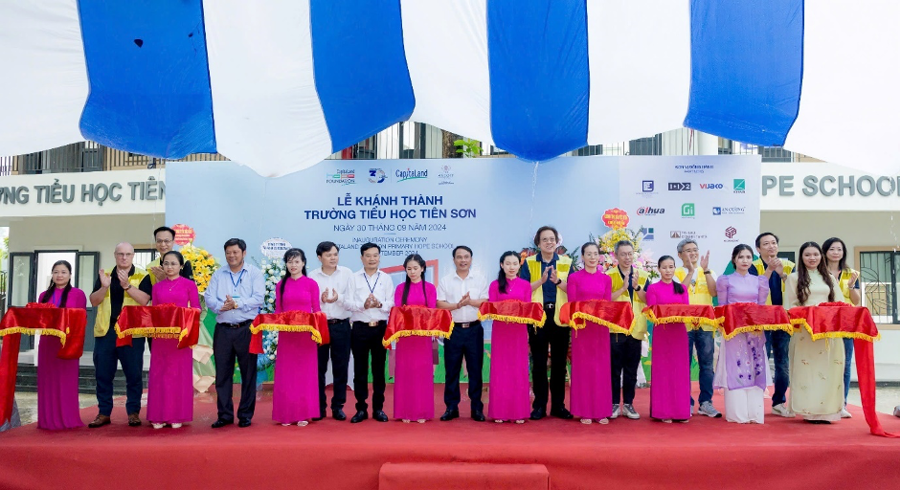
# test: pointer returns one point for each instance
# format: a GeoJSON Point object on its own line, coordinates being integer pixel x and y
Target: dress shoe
{"type": "Point", "coordinates": [538, 413]}
{"type": "Point", "coordinates": [561, 413]}
{"type": "Point", "coordinates": [134, 420]}
{"type": "Point", "coordinates": [338, 414]}
{"type": "Point", "coordinates": [380, 416]}
{"type": "Point", "coordinates": [450, 415]}
{"type": "Point", "coordinates": [477, 415]}
{"type": "Point", "coordinates": [100, 421]}
{"type": "Point", "coordinates": [244, 423]}
{"type": "Point", "coordinates": [321, 415]}
{"type": "Point", "coordinates": [218, 424]}
{"type": "Point", "coordinates": [359, 417]}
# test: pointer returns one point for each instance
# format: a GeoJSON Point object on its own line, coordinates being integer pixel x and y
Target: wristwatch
{"type": "Point", "coordinates": [638, 288]}
{"type": "Point", "coordinates": [707, 272]}
{"type": "Point", "coordinates": [129, 287]}
{"type": "Point", "coordinates": [558, 281]}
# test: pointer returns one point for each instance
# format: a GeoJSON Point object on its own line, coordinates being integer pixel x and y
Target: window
{"type": "Point", "coordinates": [878, 280]}
{"type": "Point", "coordinates": [144, 256]}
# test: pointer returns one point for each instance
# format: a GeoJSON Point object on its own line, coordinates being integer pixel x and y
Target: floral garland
{"type": "Point", "coordinates": [273, 270]}
{"type": "Point", "coordinates": [202, 263]}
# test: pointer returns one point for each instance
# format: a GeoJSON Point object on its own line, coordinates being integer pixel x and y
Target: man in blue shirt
{"type": "Point", "coordinates": [235, 294]}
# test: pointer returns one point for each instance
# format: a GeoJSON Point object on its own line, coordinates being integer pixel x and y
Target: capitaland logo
{"type": "Point", "coordinates": [647, 185]}
{"type": "Point", "coordinates": [727, 210]}
{"type": "Point", "coordinates": [647, 233]}
{"type": "Point", "coordinates": [688, 210]}
{"type": "Point", "coordinates": [341, 176]}
{"type": "Point", "coordinates": [679, 186]}
{"type": "Point", "coordinates": [410, 174]}
{"type": "Point", "coordinates": [740, 186]}
{"type": "Point", "coordinates": [377, 175]}
{"type": "Point", "coordinates": [712, 186]}
{"type": "Point", "coordinates": [650, 211]}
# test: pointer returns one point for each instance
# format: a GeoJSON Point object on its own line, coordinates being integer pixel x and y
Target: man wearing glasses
{"type": "Point", "coordinates": [124, 285]}
{"type": "Point", "coordinates": [165, 242]}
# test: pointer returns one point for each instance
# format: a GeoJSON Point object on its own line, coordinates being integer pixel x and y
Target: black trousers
{"type": "Point", "coordinates": [365, 341]}
{"type": "Point", "coordinates": [339, 352]}
{"type": "Point", "coordinates": [230, 344]}
{"type": "Point", "coordinates": [625, 357]}
{"type": "Point", "coordinates": [557, 338]}
{"type": "Point", "coordinates": [468, 343]}
{"type": "Point", "coordinates": [106, 360]}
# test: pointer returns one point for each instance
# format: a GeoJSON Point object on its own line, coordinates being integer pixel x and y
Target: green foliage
{"type": "Point", "coordinates": [468, 148]}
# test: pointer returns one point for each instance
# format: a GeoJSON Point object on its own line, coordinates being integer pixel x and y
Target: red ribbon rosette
{"type": "Point", "coordinates": [513, 311]}
{"type": "Point", "coordinates": [165, 321]}
{"type": "Point", "coordinates": [289, 321]}
{"type": "Point", "coordinates": [842, 320]}
{"type": "Point", "coordinates": [750, 317]}
{"type": "Point", "coordinates": [418, 321]}
{"type": "Point", "coordinates": [691, 315]}
{"type": "Point", "coordinates": [68, 324]}
{"type": "Point", "coordinates": [618, 316]}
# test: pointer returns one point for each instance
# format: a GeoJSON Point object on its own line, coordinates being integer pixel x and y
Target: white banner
{"type": "Point", "coordinates": [712, 199]}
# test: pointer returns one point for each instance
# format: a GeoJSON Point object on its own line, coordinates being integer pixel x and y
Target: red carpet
{"type": "Point", "coordinates": [783, 453]}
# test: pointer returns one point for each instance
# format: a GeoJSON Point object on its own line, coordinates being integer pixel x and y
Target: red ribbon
{"type": "Point", "coordinates": [419, 321]}
{"type": "Point", "coordinates": [287, 321]}
{"type": "Point", "coordinates": [66, 323]}
{"type": "Point", "coordinates": [615, 315]}
{"type": "Point", "coordinates": [750, 317]}
{"type": "Point", "coordinates": [691, 315]}
{"type": "Point", "coordinates": [842, 320]}
{"type": "Point", "coordinates": [165, 321]}
{"type": "Point", "coordinates": [513, 310]}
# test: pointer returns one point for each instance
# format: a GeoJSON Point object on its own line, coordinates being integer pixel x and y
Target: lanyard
{"type": "Point", "coordinates": [371, 286]}
{"type": "Point", "coordinates": [240, 278]}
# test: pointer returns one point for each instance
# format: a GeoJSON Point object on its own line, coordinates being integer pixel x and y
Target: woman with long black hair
{"type": "Point", "coordinates": [508, 395]}
{"type": "Point", "coordinates": [295, 396]}
{"type": "Point", "coordinates": [816, 367]}
{"type": "Point", "coordinates": [848, 280]}
{"type": "Point", "coordinates": [414, 377]}
{"type": "Point", "coordinates": [58, 378]}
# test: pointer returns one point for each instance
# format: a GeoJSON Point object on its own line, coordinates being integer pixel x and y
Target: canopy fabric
{"type": "Point", "coordinates": [280, 85]}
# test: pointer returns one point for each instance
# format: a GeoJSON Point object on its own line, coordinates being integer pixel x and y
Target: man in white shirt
{"type": "Point", "coordinates": [370, 298]}
{"type": "Point", "coordinates": [334, 282]}
{"type": "Point", "coordinates": [462, 292]}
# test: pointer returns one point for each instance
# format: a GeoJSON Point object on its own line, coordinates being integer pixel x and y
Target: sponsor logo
{"type": "Point", "coordinates": [446, 175]}
{"type": "Point", "coordinates": [647, 233]}
{"type": "Point", "coordinates": [377, 176]}
{"type": "Point", "coordinates": [694, 169]}
{"type": "Point", "coordinates": [730, 233]}
{"type": "Point", "coordinates": [712, 186]}
{"type": "Point", "coordinates": [410, 174]}
{"type": "Point", "coordinates": [686, 234]}
{"type": "Point", "coordinates": [679, 186]}
{"type": "Point", "coordinates": [688, 210]}
{"type": "Point", "coordinates": [740, 186]}
{"type": "Point", "coordinates": [341, 176]}
{"type": "Point", "coordinates": [649, 211]}
{"type": "Point", "coordinates": [647, 186]}
{"type": "Point", "coordinates": [729, 210]}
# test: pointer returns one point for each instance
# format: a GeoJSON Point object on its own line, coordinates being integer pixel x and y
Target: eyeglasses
{"type": "Point", "coordinates": [164, 242]}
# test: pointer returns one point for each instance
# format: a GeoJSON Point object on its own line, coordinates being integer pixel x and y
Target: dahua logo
{"type": "Point", "coordinates": [649, 211]}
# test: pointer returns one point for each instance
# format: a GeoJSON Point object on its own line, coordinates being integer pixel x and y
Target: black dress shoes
{"type": "Point", "coordinates": [321, 415]}
{"type": "Point", "coordinates": [338, 414]}
{"type": "Point", "coordinates": [477, 416]}
{"type": "Point", "coordinates": [359, 417]}
{"type": "Point", "coordinates": [244, 423]}
{"type": "Point", "coordinates": [218, 424]}
{"type": "Point", "coordinates": [538, 413]}
{"type": "Point", "coordinates": [450, 415]}
{"type": "Point", "coordinates": [380, 416]}
{"type": "Point", "coordinates": [561, 413]}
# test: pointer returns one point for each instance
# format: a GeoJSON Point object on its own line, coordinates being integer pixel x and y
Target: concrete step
{"type": "Point", "coordinates": [26, 380]}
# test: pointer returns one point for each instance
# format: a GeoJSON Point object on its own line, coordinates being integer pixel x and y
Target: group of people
{"type": "Point", "coordinates": [357, 305]}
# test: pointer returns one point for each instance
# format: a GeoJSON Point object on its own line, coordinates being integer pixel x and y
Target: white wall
{"type": "Point", "coordinates": [84, 233]}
